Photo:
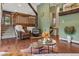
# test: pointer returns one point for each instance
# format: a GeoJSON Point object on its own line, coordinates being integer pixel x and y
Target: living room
{"type": "Point", "coordinates": [39, 28]}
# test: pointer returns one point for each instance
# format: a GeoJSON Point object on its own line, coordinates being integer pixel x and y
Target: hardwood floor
{"type": "Point", "coordinates": [60, 47]}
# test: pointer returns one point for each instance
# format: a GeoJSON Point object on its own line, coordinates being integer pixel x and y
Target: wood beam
{"type": "Point", "coordinates": [69, 12]}
{"type": "Point", "coordinates": [32, 8]}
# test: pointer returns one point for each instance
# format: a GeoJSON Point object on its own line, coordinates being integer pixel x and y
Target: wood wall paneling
{"type": "Point", "coordinates": [32, 20]}
{"type": "Point", "coordinates": [22, 19]}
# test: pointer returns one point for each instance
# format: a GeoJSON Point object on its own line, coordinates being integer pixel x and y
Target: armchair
{"type": "Point", "coordinates": [21, 33]}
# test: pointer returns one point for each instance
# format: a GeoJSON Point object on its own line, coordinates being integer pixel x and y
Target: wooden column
{"type": "Point", "coordinates": [0, 21]}
{"type": "Point", "coordinates": [57, 23]}
{"type": "Point", "coordinates": [12, 17]}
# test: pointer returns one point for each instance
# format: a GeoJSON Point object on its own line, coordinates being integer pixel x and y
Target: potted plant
{"type": "Point", "coordinates": [45, 36]}
{"type": "Point", "coordinates": [69, 30]}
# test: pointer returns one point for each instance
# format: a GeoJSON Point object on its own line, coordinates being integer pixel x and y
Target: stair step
{"type": "Point", "coordinates": [4, 28]}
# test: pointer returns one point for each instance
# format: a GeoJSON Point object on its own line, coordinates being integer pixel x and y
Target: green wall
{"type": "Point", "coordinates": [67, 20]}
{"type": "Point", "coordinates": [45, 20]}
{"type": "Point", "coordinates": [44, 17]}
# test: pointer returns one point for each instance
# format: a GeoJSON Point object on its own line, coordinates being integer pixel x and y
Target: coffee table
{"type": "Point", "coordinates": [35, 45]}
{"type": "Point", "coordinates": [39, 45]}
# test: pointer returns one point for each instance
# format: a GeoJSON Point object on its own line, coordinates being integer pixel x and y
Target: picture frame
{"type": "Point", "coordinates": [7, 20]}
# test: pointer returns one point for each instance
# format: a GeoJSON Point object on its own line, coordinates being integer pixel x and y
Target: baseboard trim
{"type": "Point", "coordinates": [74, 41]}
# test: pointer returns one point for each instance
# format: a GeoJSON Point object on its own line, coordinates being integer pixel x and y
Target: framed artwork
{"type": "Point", "coordinates": [7, 20]}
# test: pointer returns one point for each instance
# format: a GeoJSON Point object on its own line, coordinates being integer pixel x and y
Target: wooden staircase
{"type": "Point", "coordinates": [8, 32]}
{"type": "Point", "coordinates": [4, 28]}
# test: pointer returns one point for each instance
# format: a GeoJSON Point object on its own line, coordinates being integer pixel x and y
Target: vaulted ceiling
{"type": "Point", "coordinates": [20, 7]}
{"type": "Point", "coordinates": [25, 8]}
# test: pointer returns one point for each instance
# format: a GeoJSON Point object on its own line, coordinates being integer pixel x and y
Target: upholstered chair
{"type": "Point", "coordinates": [21, 33]}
